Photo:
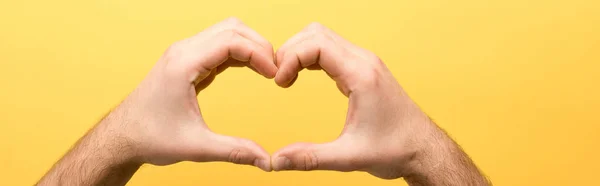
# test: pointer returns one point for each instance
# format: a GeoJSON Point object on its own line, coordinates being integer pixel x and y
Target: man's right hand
{"type": "Point", "coordinates": [160, 122]}
{"type": "Point", "coordinates": [162, 116]}
{"type": "Point", "coordinates": [386, 134]}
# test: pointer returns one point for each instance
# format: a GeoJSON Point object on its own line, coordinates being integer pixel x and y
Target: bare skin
{"type": "Point", "coordinates": [386, 134]}
{"type": "Point", "coordinates": [160, 123]}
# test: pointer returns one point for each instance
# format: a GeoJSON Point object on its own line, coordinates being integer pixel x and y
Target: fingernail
{"type": "Point", "coordinates": [282, 163]}
{"type": "Point", "coordinates": [274, 74]}
{"type": "Point", "coordinates": [263, 164]}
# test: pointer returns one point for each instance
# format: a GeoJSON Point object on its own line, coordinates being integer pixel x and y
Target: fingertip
{"type": "Point", "coordinates": [271, 72]}
{"type": "Point", "coordinates": [281, 163]}
{"type": "Point", "coordinates": [283, 80]}
{"type": "Point", "coordinates": [264, 65]}
{"type": "Point", "coordinates": [238, 151]}
{"type": "Point", "coordinates": [271, 67]}
{"type": "Point", "coordinates": [279, 78]}
{"type": "Point", "coordinates": [264, 165]}
{"type": "Point", "coordinates": [262, 159]}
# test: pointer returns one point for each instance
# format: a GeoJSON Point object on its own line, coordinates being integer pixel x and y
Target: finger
{"type": "Point", "coordinates": [329, 156]}
{"type": "Point", "coordinates": [201, 85]}
{"type": "Point", "coordinates": [311, 30]}
{"type": "Point", "coordinates": [316, 50]}
{"type": "Point", "coordinates": [261, 61]}
{"type": "Point", "coordinates": [236, 150]}
{"type": "Point", "coordinates": [294, 40]}
{"type": "Point", "coordinates": [234, 63]}
{"type": "Point", "coordinates": [236, 25]}
{"type": "Point", "coordinates": [229, 44]}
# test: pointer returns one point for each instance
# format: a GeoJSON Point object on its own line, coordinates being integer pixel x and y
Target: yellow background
{"type": "Point", "coordinates": [515, 82]}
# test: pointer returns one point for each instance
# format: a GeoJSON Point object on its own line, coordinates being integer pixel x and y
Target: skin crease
{"type": "Point", "coordinates": [160, 122]}
{"type": "Point", "coordinates": [386, 134]}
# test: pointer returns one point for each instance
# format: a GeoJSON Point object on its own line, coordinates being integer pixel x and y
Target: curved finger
{"type": "Point", "coordinates": [312, 30]}
{"type": "Point", "coordinates": [259, 59]}
{"type": "Point", "coordinates": [316, 50]}
{"type": "Point", "coordinates": [233, 24]}
{"type": "Point", "coordinates": [293, 61]}
{"type": "Point", "coordinates": [225, 45]}
{"type": "Point", "coordinates": [294, 40]}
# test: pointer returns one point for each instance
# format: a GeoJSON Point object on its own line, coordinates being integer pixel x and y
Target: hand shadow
{"type": "Point", "coordinates": [211, 77]}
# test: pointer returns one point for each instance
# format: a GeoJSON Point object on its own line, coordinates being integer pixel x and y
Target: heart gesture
{"type": "Point", "coordinates": [386, 134]}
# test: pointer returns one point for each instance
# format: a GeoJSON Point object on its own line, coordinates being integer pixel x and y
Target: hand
{"type": "Point", "coordinates": [386, 134]}
{"type": "Point", "coordinates": [382, 123]}
{"type": "Point", "coordinates": [161, 121]}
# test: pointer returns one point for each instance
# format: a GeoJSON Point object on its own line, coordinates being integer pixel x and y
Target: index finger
{"type": "Point", "coordinates": [316, 46]}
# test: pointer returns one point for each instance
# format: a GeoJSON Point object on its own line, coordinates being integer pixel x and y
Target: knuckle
{"type": "Point", "coordinates": [318, 41]}
{"type": "Point", "coordinates": [315, 26]}
{"type": "Point", "coordinates": [174, 51]}
{"type": "Point", "coordinates": [314, 29]}
{"type": "Point", "coordinates": [233, 21]}
{"type": "Point", "coordinates": [370, 76]}
{"type": "Point", "coordinates": [229, 35]}
{"type": "Point", "coordinates": [315, 34]}
{"type": "Point", "coordinates": [374, 59]}
{"type": "Point", "coordinates": [309, 161]}
{"type": "Point", "coordinates": [311, 44]}
{"type": "Point", "coordinates": [232, 24]}
{"type": "Point", "coordinates": [370, 71]}
{"type": "Point", "coordinates": [320, 36]}
{"type": "Point", "coordinates": [174, 47]}
{"type": "Point", "coordinates": [235, 156]}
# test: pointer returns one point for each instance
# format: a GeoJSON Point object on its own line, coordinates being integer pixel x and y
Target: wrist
{"type": "Point", "coordinates": [113, 143]}
{"type": "Point", "coordinates": [433, 152]}
{"type": "Point", "coordinates": [102, 157]}
{"type": "Point", "coordinates": [440, 161]}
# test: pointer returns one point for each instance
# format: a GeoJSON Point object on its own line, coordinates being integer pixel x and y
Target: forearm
{"type": "Point", "coordinates": [101, 157]}
{"type": "Point", "coordinates": [443, 162]}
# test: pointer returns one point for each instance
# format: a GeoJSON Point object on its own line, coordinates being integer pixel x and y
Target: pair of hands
{"type": "Point", "coordinates": [160, 122]}
{"type": "Point", "coordinates": [164, 125]}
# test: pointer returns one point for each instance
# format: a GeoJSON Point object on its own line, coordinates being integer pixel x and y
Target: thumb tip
{"type": "Point", "coordinates": [264, 165]}
{"type": "Point", "coordinates": [281, 163]}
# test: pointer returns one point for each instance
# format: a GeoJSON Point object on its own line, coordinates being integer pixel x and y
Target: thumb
{"type": "Point", "coordinates": [328, 156]}
{"type": "Point", "coordinates": [237, 150]}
